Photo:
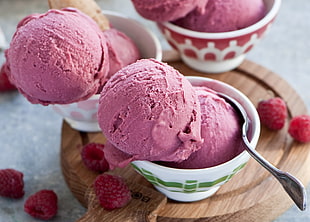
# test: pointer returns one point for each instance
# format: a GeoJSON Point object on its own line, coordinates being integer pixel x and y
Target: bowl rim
{"type": "Point", "coordinates": [224, 35]}
{"type": "Point", "coordinates": [243, 154]}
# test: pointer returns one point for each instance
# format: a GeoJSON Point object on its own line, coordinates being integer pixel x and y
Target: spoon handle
{"type": "Point", "coordinates": [292, 185]}
{"type": "Point", "coordinates": [259, 158]}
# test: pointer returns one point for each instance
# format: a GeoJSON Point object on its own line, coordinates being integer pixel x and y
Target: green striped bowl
{"type": "Point", "coordinates": [195, 184]}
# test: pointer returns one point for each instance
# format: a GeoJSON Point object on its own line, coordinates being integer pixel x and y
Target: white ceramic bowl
{"type": "Point", "coordinates": [218, 52]}
{"type": "Point", "coordinates": [83, 115]}
{"type": "Point", "coordinates": [188, 185]}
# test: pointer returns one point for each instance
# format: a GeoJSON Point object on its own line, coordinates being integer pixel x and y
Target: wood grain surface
{"type": "Point", "coordinates": [251, 195]}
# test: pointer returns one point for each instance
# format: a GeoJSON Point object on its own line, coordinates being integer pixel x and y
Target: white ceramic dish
{"type": "Point", "coordinates": [189, 185]}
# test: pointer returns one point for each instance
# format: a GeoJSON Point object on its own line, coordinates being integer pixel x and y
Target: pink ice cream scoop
{"type": "Point", "coordinates": [115, 157]}
{"type": "Point", "coordinates": [58, 57]}
{"type": "Point", "coordinates": [224, 15]}
{"type": "Point", "coordinates": [220, 130]}
{"type": "Point", "coordinates": [149, 111]}
{"type": "Point", "coordinates": [122, 50]}
{"type": "Point", "coordinates": [167, 10]}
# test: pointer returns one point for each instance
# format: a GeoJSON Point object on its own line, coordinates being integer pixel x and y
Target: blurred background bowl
{"type": "Point", "coordinates": [222, 51]}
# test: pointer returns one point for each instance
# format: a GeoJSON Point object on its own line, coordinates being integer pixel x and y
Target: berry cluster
{"type": "Point", "coordinates": [300, 128]}
{"type": "Point", "coordinates": [112, 192]}
{"type": "Point", "coordinates": [11, 183]}
{"type": "Point", "coordinates": [93, 157]}
{"type": "Point", "coordinates": [41, 205]}
{"type": "Point", "coordinates": [273, 114]}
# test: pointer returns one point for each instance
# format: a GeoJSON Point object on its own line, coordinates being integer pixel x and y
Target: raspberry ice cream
{"type": "Point", "coordinates": [167, 10]}
{"type": "Point", "coordinates": [224, 15]}
{"type": "Point", "coordinates": [115, 157]}
{"type": "Point", "coordinates": [220, 129]}
{"type": "Point", "coordinates": [149, 111]}
{"type": "Point", "coordinates": [58, 57]}
{"type": "Point", "coordinates": [122, 50]}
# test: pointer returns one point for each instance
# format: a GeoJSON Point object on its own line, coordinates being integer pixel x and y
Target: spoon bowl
{"type": "Point", "coordinates": [293, 187]}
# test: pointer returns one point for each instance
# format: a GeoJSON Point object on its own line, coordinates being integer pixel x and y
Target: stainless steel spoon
{"type": "Point", "coordinates": [293, 187]}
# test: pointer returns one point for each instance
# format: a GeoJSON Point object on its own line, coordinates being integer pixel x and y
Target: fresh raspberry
{"type": "Point", "coordinates": [5, 84]}
{"type": "Point", "coordinates": [93, 157]}
{"type": "Point", "coordinates": [11, 183]}
{"type": "Point", "coordinates": [111, 191]}
{"type": "Point", "coordinates": [299, 128]}
{"type": "Point", "coordinates": [272, 113]}
{"type": "Point", "coordinates": [42, 204]}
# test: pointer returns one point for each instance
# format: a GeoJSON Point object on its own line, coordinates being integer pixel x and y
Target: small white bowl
{"type": "Point", "coordinates": [218, 52]}
{"type": "Point", "coordinates": [187, 185]}
{"type": "Point", "coordinates": [82, 115]}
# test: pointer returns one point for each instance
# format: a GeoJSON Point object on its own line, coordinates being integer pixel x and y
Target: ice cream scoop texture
{"type": "Point", "coordinates": [167, 10]}
{"type": "Point", "coordinates": [149, 111]}
{"type": "Point", "coordinates": [220, 129]}
{"type": "Point", "coordinates": [58, 57]}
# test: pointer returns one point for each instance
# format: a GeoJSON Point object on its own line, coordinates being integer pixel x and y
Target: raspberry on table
{"type": "Point", "coordinates": [42, 204]}
{"type": "Point", "coordinates": [11, 183]}
{"type": "Point", "coordinates": [299, 128]}
{"type": "Point", "coordinates": [272, 113]}
{"type": "Point", "coordinates": [111, 191]}
{"type": "Point", "coordinates": [5, 84]}
{"type": "Point", "coordinates": [93, 157]}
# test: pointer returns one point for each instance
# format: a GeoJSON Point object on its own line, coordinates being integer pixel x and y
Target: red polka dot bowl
{"type": "Point", "coordinates": [218, 52]}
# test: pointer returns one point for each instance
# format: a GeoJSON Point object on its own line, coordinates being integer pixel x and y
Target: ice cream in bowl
{"type": "Point", "coordinates": [219, 159]}
{"type": "Point", "coordinates": [212, 36]}
{"type": "Point", "coordinates": [174, 130]}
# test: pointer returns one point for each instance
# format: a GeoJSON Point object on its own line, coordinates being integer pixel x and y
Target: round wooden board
{"type": "Point", "coordinates": [251, 195]}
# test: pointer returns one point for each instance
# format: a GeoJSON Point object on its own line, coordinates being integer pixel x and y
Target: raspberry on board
{"type": "Point", "coordinates": [111, 191]}
{"type": "Point", "coordinates": [299, 128]}
{"type": "Point", "coordinates": [11, 183]}
{"type": "Point", "coordinates": [93, 157]}
{"type": "Point", "coordinates": [42, 204]}
{"type": "Point", "coordinates": [272, 113]}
